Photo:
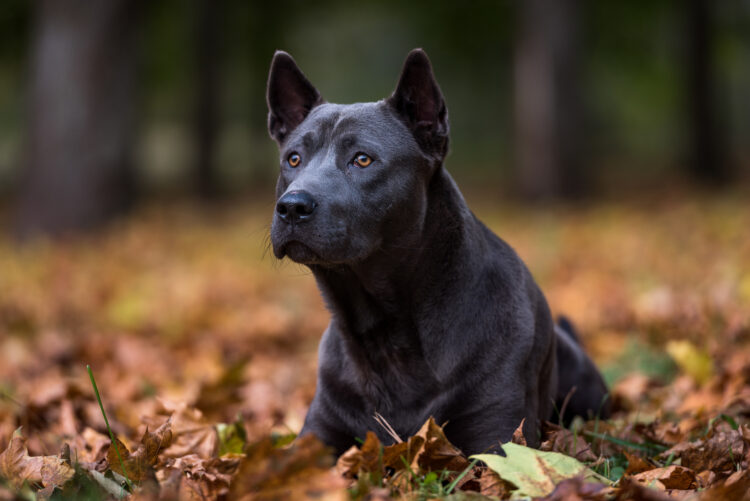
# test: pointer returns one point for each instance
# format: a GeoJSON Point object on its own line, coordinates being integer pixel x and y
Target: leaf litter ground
{"type": "Point", "coordinates": [204, 351]}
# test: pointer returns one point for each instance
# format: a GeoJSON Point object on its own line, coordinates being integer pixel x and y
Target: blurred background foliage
{"type": "Point", "coordinates": [128, 99]}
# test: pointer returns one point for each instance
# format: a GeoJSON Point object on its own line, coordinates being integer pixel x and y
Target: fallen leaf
{"type": "Point", "coordinates": [490, 484]}
{"type": "Point", "coordinates": [706, 478]}
{"type": "Point", "coordinates": [368, 458]}
{"type": "Point", "coordinates": [720, 452]}
{"type": "Point", "coordinates": [138, 463]}
{"type": "Point", "coordinates": [577, 489]}
{"type": "Point", "coordinates": [19, 468]}
{"type": "Point", "coordinates": [630, 390]}
{"type": "Point", "coordinates": [518, 437]}
{"type": "Point", "coordinates": [671, 477]}
{"type": "Point", "coordinates": [631, 490]}
{"type": "Point", "coordinates": [559, 439]}
{"type": "Point", "coordinates": [693, 361]}
{"type": "Point", "coordinates": [535, 473]}
{"type": "Point", "coordinates": [296, 472]}
{"type": "Point", "coordinates": [636, 464]}
{"type": "Point", "coordinates": [232, 438]}
{"type": "Point", "coordinates": [89, 446]}
{"type": "Point", "coordinates": [438, 453]}
{"type": "Point", "coordinates": [191, 433]}
{"type": "Point", "coordinates": [207, 478]}
{"type": "Point", "coordinates": [735, 488]}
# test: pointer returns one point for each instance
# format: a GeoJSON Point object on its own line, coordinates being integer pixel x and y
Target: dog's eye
{"type": "Point", "coordinates": [362, 160]}
{"type": "Point", "coordinates": [293, 160]}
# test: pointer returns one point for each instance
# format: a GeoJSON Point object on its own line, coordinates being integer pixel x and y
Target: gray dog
{"type": "Point", "coordinates": [431, 313]}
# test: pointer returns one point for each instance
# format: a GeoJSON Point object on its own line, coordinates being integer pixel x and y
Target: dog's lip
{"type": "Point", "coordinates": [298, 252]}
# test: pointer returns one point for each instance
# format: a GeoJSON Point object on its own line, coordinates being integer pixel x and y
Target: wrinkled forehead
{"type": "Point", "coordinates": [329, 122]}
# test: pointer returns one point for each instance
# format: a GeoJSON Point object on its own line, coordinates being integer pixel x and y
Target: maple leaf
{"type": "Point", "coordinates": [140, 462]}
{"type": "Point", "coordinates": [18, 467]}
{"type": "Point", "coordinates": [191, 433]}
{"type": "Point", "coordinates": [193, 475]}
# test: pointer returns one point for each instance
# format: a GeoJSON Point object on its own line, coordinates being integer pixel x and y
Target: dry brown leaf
{"type": "Point", "coordinates": [191, 433]}
{"type": "Point", "coordinates": [671, 477]}
{"type": "Point", "coordinates": [577, 489]}
{"type": "Point", "coordinates": [296, 472]}
{"type": "Point", "coordinates": [518, 437]}
{"type": "Point", "coordinates": [735, 488]}
{"type": "Point", "coordinates": [706, 478]}
{"type": "Point", "coordinates": [720, 452]}
{"type": "Point", "coordinates": [364, 459]}
{"type": "Point", "coordinates": [349, 462]}
{"type": "Point", "coordinates": [18, 467]}
{"type": "Point", "coordinates": [559, 439]}
{"type": "Point", "coordinates": [629, 391]}
{"type": "Point", "coordinates": [636, 464]}
{"type": "Point", "coordinates": [140, 462]}
{"type": "Point", "coordinates": [438, 453]}
{"type": "Point", "coordinates": [194, 477]}
{"type": "Point", "coordinates": [658, 432]}
{"type": "Point", "coordinates": [398, 455]}
{"type": "Point", "coordinates": [89, 446]}
{"type": "Point", "coordinates": [490, 484]}
{"type": "Point", "coordinates": [631, 490]}
{"type": "Point", "coordinates": [379, 494]}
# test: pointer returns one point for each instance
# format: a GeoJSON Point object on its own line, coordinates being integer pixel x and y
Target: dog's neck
{"type": "Point", "coordinates": [379, 304]}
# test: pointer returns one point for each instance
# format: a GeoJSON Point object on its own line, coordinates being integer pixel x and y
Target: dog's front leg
{"type": "Point", "coordinates": [323, 421]}
{"type": "Point", "coordinates": [485, 430]}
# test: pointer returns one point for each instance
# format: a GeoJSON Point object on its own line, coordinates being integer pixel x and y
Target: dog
{"type": "Point", "coordinates": [431, 313]}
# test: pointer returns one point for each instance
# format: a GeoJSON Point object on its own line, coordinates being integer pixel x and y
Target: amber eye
{"type": "Point", "coordinates": [362, 160]}
{"type": "Point", "coordinates": [294, 159]}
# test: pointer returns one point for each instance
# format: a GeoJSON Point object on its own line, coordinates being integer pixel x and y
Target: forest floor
{"type": "Point", "coordinates": [195, 333]}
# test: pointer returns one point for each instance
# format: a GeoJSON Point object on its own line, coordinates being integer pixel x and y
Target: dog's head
{"type": "Point", "coordinates": [353, 178]}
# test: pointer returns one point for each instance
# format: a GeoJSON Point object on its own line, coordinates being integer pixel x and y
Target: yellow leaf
{"type": "Point", "coordinates": [692, 361]}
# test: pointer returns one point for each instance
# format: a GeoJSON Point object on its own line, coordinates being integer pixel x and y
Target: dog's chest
{"type": "Point", "coordinates": [390, 369]}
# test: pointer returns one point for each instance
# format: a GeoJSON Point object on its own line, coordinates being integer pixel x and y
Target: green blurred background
{"type": "Point", "coordinates": [105, 104]}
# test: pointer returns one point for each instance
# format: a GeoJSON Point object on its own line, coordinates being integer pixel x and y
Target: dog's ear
{"type": "Point", "coordinates": [419, 102]}
{"type": "Point", "coordinates": [290, 96]}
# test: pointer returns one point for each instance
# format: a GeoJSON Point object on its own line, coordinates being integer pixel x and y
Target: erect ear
{"type": "Point", "coordinates": [290, 96]}
{"type": "Point", "coordinates": [419, 102]}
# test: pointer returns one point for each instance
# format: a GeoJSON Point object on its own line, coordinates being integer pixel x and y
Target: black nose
{"type": "Point", "coordinates": [296, 206]}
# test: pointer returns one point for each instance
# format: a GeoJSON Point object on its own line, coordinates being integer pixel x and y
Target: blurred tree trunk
{"type": "Point", "coordinates": [707, 162]}
{"type": "Point", "coordinates": [79, 171]}
{"type": "Point", "coordinates": [207, 103]}
{"type": "Point", "coordinates": [547, 100]}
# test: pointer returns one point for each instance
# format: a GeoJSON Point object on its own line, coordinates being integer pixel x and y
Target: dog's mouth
{"type": "Point", "coordinates": [297, 252]}
{"type": "Point", "coordinates": [325, 244]}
